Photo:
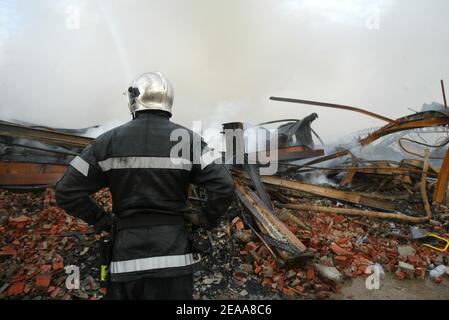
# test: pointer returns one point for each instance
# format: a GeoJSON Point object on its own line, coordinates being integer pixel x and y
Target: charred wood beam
{"type": "Point", "coordinates": [325, 192]}
{"type": "Point", "coordinates": [18, 173]}
{"type": "Point", "coordinates": [54, 151]}
{"type": "Point", "coordinates": [46, 136]}
{"type": "Point", "coordinates": [270, 224]}
{"type": "Point", "coordinates": [253, 173]}
{"type": "Point", "coordinates": [443, 179]}
{"type": "Point", "coordinates": [355, 212]}
{"type": "Point", "coordinates": [349, 176]}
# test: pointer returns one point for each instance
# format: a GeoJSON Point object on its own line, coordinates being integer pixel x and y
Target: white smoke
{"type": "Point", "coordinates": [241, 52]}
{"type": "Point", "coordinates": [96, 131]}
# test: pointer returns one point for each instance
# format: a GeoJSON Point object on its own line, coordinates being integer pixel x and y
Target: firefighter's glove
{"type": "Point", "coordinates": [104, 223]}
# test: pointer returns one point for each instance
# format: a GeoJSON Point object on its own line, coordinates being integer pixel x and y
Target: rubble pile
{"type": "Point", "coordinates": [343, 248]}
{"type": "Point", "coordinates": [372, 206]}
{"type": "Point", "coordinates": [37, 241]}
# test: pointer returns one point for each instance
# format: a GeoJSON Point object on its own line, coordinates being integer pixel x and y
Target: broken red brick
{"type": "Point", "coordinates": [258, 270]}
{"type": "Point", "coordinates": [58, 265]}
{"type": "Point", "coordinates": [8, 251]}
{"type": "Point", "coordinates": [362, 260]}
{"type": "Point", "coordinates": [267, 282]}
{"type": "Point", "coordinates": [239, 275]}
{"type": "Point", "coordinates": [16, 289]}
{"type": "Point", "coordinates": [415, 260]}
{"type": "Point", "coordinates": [299, 288]}
{"type": "Point", "coordinates": [310, 273]}
{"type": "Point", "coordinates": [250, 246]}
{"type": "Point", "coordinates": [420, 272]}
{"type": "Point", "coordinates": [43, 281]}
{"type": "Point", "coordinates": [437, 280]}
{"type": "Point", "coordinates": [288, 292]}
{"type": "Point", "coordinates": [54, 229]}
{"type": "Point", "coordinates": [400, 275]}
{"type": "Point", "coordinates": [339, 250]}
{"type": "Point", "coordinates": [19, 220]}
{"type": "Point", "coordinates": [341, 258]}
{"type": "Point", "coordinates": [239, 225]}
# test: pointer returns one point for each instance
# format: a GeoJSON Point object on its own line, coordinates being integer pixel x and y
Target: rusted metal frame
{"type": "Point", "coordinates": [46, 136]}
{"type": "Point", "coordinates": [335, 106]}
{"type": "Point", "coordinates": [410, 124]}
{"type": "Point", "coordinates": [439, 196]}
{"type": "Point", "coordinates": [389, 129]}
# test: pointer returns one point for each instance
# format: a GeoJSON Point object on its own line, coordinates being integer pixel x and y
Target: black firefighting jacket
{"type": "Point", "coordinates": [148, 176]}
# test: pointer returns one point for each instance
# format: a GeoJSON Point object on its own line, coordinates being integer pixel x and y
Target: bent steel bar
{"type": "Point", "coordinates": [335, 106]}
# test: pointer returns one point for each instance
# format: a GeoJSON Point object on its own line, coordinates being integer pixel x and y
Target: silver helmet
{"type": "Point", "coordinates": [150, 91]}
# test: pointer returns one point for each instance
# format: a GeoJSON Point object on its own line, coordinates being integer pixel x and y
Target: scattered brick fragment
{"type": "Point", "coordinates": [16, 289]}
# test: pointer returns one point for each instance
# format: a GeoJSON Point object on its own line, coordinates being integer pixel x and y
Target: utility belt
{"type": "Point", "coordinates": [149, 219]}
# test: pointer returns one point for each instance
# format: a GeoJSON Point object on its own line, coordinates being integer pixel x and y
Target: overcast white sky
{"type": "Point", "coordinates": [224, 58]}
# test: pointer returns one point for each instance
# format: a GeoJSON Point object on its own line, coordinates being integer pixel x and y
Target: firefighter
{"type": "Point", "coordinates": [151, 253]}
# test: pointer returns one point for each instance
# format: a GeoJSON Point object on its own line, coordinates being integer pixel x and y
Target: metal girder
{"type": "Point", "coordinates": [335, 106]}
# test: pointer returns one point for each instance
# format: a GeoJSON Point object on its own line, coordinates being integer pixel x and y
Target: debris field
{"type": "Point", "coordinates": [360, 209]}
